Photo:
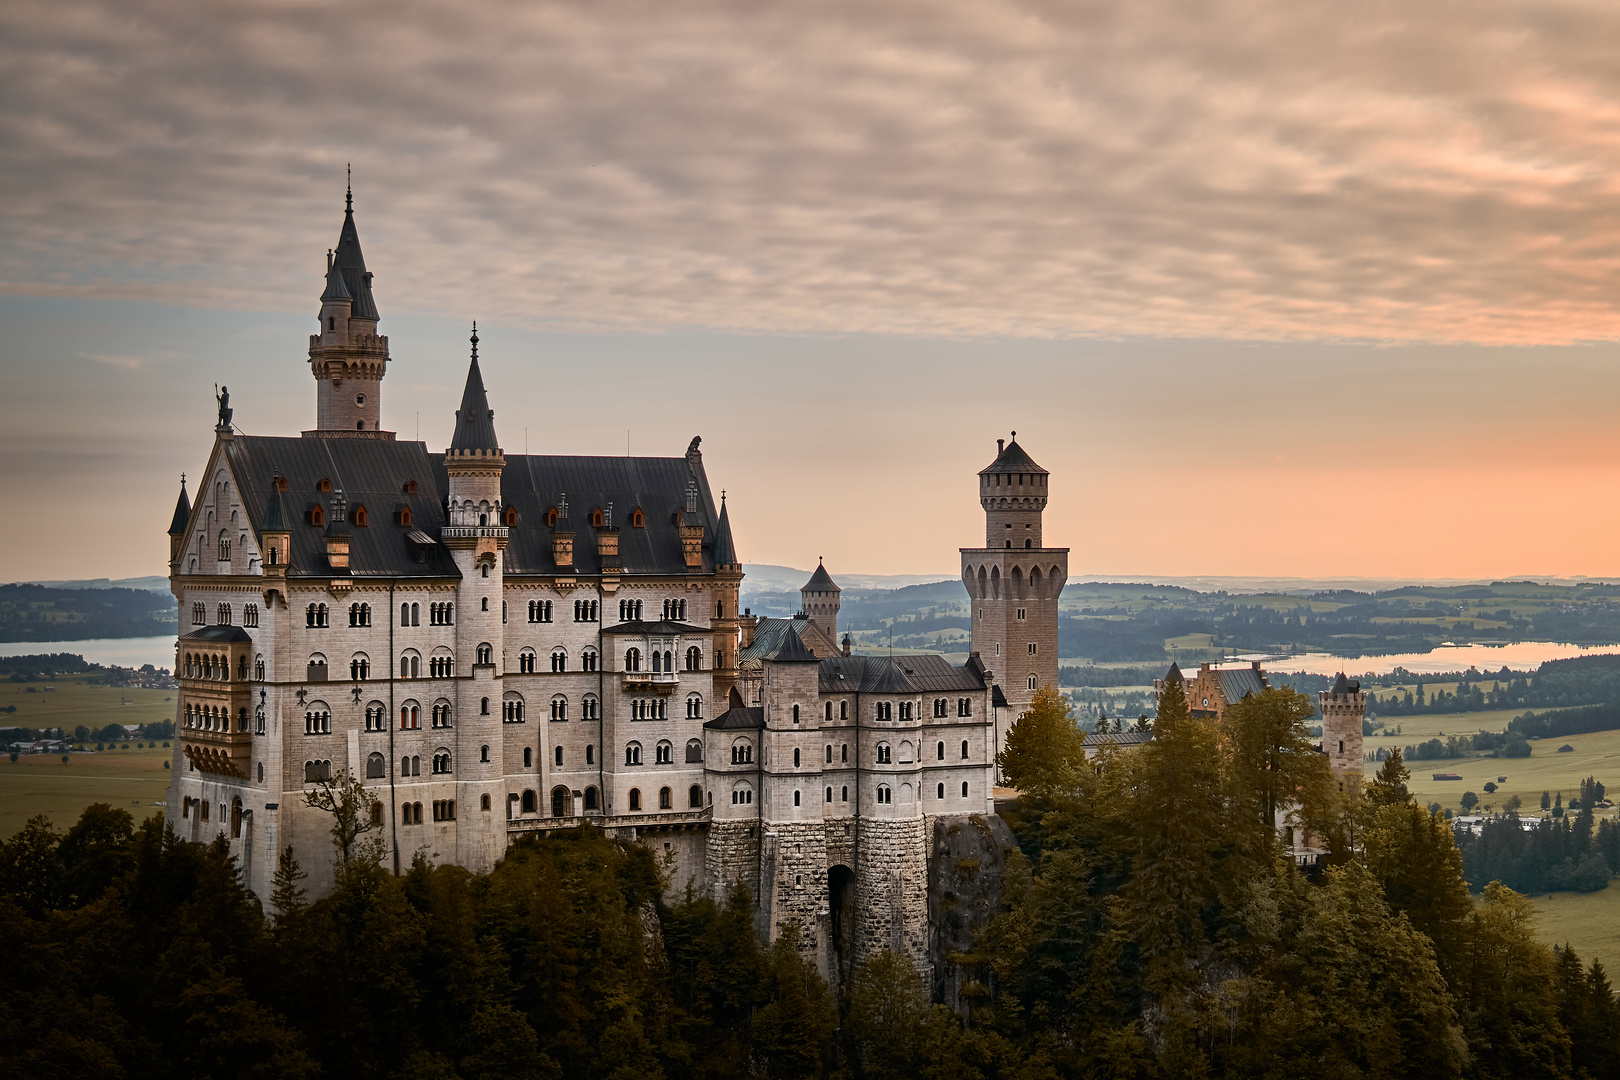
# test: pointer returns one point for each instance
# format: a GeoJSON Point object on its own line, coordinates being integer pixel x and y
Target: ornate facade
{"type": "Point", "coordinates": [499, 644]}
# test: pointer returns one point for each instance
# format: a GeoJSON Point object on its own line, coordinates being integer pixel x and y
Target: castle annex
{"type": "Point", "coordinates": [501, 644]}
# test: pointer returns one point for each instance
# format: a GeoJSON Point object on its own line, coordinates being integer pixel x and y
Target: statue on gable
{"type": "Point", "coordinates": [222, 394]}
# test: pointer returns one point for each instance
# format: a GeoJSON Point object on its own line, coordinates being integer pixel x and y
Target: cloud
{"type": "Point", "coordinates": [1180, 168]}
{"type": "Point", "coordinates": [125, 363]}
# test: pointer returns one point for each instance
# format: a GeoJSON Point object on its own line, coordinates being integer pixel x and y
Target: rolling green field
{"type": "Point", "coordinates": [1587, 922]}
{"type": "Point", "coordinates": [1595, 754]}
{"type": "Point", "coordinates": [41, 784]}
{"type": "Point", "coordinates": [132, 779]}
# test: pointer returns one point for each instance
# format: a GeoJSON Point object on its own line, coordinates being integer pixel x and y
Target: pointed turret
{"type": "Point", "coordinates": [177, 524]}
{"type": "Point", "coordinates": [725, 552]}
{"type": "Point", "coordinates": [276, 535]}
{"type": "Point", "coordinates": [348, 357]}
{"type": "Point", "coordinates": [820, 599]}
{"type": "Point", "coordinates": [475, 421]}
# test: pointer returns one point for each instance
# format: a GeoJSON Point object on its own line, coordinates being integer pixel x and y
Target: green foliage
{"type": "Point", "coordinates": [1044, 748]}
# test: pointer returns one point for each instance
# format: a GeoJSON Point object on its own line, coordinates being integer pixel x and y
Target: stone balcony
{"type": "Point", "coordinates": [659, 681]}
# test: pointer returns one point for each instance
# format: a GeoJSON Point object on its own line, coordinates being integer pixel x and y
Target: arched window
{"type": "Point", "coordinates": [941, 791]}
{"type": "Point", "coordinates": [795, 757]}
{"type": "Point", "coordinates": [590, 798]}
{"type": "Point", "coordinates": [559, 660]}
{"type": "Point", "coordinates": [527, 802]}
{"type": "Point", "coordinates": [694, 750]}
{"type": "Point", "coordinates": [632, 660]}
{"type": "Point", "coordinates": [884, 754]}
{"type": "Point", "coordinates": [635, 798]}
{"type": "Point", "coordinates": [224, 546]}
{"type": "Point", "coordinates": [843, 794]}
{"type": "Point", "coordinates": [964, 749]}
{"type": "Point", "coordinates": [939, 752]}
{"type": "Point", "coordinates": [694, 797]}
{"type": "Point", "coordinates": [795, 714]}
{"type": "Point", "coordinates": [441, 761]}
{"type": "Point", "coordinates": [742, 752]}
{"type": "Point", "coordinates": [884, 794]}
{"type": "Point", "coordinates": [964, 789]}
{"type": "Point", "coordinates": [483, 706]}
{"type": "Point", "coordinates": [694, 659]}
{"type": "Point", "coordinates": [587, 660]}
{"type": "Point", "coordinates": [694, 706]}
{"type": "Point", "coordinates": [559, 757]}
{"type": "Point", "coordinates": [562, 802]}
{"type": "Point", "coordinates": [359, 515]}
{"type": "Point", "coordinates": [590, 708]}
{"type": "Point", "coordinates": [486, 654]}
{"type": "Point", "coordinates": [590, 754]}
{"type": "Point", "coordinates": [632, 754]}
{"type": "Point", "coordinates": [829, 795]}
{"type": "Point", "coordinates": [664, 753]}
{"type": "Point", "coordinates": [795, 798]}
{"type": "Point", "coordinates": [375, 767]}
{"type": "Point", "coordinates": [742, 794]}
{"type": "Point", "coordinates": [666, 799]}
{"type": "Point", "coordinates": [844, 753]}
{"type": "Point", "coordinates": [511, 516]}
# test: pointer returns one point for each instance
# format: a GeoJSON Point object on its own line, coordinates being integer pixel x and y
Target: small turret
{"type": "Point", "coordinates": [348, 357]}
{"type": "Point", "coordinates": [181, 519]}
{"type": "Point", "coordinates": [1343, 708]}
{"type": "Point", "coordinates": [819, 599]}
{"type": "Point", "coordinates": [1013, 492]}
{"type": "Point", "coordinates": [338, 535]}
{"type": "Point", "coordinates": [275, 535]}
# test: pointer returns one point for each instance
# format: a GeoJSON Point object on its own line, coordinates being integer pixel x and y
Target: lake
{"type": "Point", "coordinates": [1520, 656]}
{"type": "Point", "coordinates": [123, 652]}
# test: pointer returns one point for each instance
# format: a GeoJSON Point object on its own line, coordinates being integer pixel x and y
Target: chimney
{"type": "Point", "coordinates": [1001, 444]}
{"type": "Point", "coordinates": [847, 643]}
{"type": "Point", "coordinates": [562, 548]}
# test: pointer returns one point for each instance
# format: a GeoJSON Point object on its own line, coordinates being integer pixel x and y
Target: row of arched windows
{"type": "Point", "coordinates": [539, 610]}
{"type": "Point", "coordinates": [986, 583]}
{"type": "Point", "coordinates": [359, 614]}
{"type": "Point", "coordinates": [316, 615]}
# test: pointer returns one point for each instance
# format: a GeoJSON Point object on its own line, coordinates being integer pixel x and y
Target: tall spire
{"type": "Point", "coordinates": [351, 261]}
{"type": "Point", "coordinates": [725, 552]}
{"type": "Point", "coordinates": [182, 511]}
{"type": "Point", "coordinates": [475, 420]}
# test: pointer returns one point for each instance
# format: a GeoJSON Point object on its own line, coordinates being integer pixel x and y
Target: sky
{"type": "Point", "coordinates": [1279, 289]}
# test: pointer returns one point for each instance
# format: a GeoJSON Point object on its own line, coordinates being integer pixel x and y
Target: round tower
{"type": "Point", "coordinates": [1012, 490]}
{"type": "Point", "coordinates": [348, 357]}
{"type": "Point", "coordinates": [819, 599]}
{"type": "Point", "coordinates": [1343, 708]}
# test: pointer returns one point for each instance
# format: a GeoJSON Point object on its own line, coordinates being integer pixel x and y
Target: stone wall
{"type": "Point", "coordinates": [891, 883]}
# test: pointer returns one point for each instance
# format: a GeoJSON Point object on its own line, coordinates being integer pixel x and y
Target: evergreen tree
{"type": "Point", "coordinates": [1044, 747]}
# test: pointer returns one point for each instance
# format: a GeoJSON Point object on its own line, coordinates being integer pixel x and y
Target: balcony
{"type": "Point", "coordinates": [656, 819]}
{"type": "Point", "coordinates": [661, 681]}
{"type": "Point", "coordinates": [218, 753]}
{"type": "Point", "coordinates": [473, 532]}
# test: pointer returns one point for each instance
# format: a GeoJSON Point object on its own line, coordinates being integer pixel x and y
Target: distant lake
{"type": "Point", "coordinates": [123, 652]}
{"type": "Point", "coordinates": [1520, 656]}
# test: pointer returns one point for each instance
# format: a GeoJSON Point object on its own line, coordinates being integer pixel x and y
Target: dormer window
{"type": "Point", "coordinates": [410, 487]}
{"type": "Point", "coordinates": [323, 485]}
{"type": "Point", "coordinates": [404, 515]}
{"type": "Point", "coordinates": [281, 483]}
{"type": "Point", "coordinates": [551, 518]}
{"type": "Point", "coordinates": [638, 520]}
{"type": "Point", "coordinates": [510, 517]}
{"type": "Point", "coordinates": [360, 514]}
{"type": "Point", "coordinates": [317, 516]}
{"type": "Point", "coordinates": [596, 519]}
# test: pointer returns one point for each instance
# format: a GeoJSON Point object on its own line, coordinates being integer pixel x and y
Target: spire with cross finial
{"type": "Point", "coordinates": [475, 420]}
{"type": "Point", "coordinates": [348, 357]}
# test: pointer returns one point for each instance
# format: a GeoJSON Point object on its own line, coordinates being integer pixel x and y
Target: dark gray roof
{"type": "Point", "coordinates": [1239, 683]}
{"type": "Point", "coordinates": [335, 289]}
{"type": "Point", "coordinates": [534, 484]}
{"type": "Point", "coordinates": [371, 473]}
{"type": "Point", "coordinates": [475, 420]}
{"type": "Point", "coordinates": [1174, 674]}
{"type": "Point", "coordinates": [896, 675]}
{"type": "Point", "coordinates": [997, 698]}
{"type": "Point", "coordinates": [768, 634]}
{"type": "Point", "coordinates": [275, 513]}
{"type": "Point", "coordinates": [217, 634]}
{"type": "Point", "coordinates": [792, 649]}
{"type": "Point", "coordinates": [1012, 459]}
{"type": "Point", "coordinates": [1119, 738]}
{"type": "Point", "coordinates": [659, 626]}
{"type": "Point", "coordinates": [182, 512]}
{"type": "Point", "coordinates": [1342, 686]}
{"type": "Point", "coordinates": [337, 519]}
{"type": "Point", "coordinates": [349, 260]}
{"type": "Point", "coordinates": [725, 552]}
{"type": "Point", "coordinates": [738, 717]}
{"type": "Point", "coordinates": [820, 581]}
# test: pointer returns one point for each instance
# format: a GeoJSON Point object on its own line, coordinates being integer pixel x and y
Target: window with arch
{"type": "Point", "coordinates": [586, 610]}
{"type": "Point", "coordinates": [795, 714]}
{"type": "Point", "coordinates": [410, 766]}
{"type": "Point", "coordinates": [964, 706]}
{"type": "Point", "coordinates": [250, 615]}
{"type": "Point", "coordinates": [360, 517]}
{"type": "Point", "coordinates": [360, 667]}
{"type": "Point", "coordinates": [318, 719]}
{"type": "Point", "coordinates": [795, 757]}
{"type": "Point", "coordinates": [441, 762]}
{"type": "Point", "coordinates": [941, 793]}
{"type": "Point", "coordinates": [483, 706]}
{"type": "Point", "coordinates": [224, 546]}
{"type": "Point", "coordinates": [964, 749]}
{"type": "Point", "coordinates": [588, 660]}
{"type": "Point", "coordinates": [224, 613]}
{"type": "Point", "coordinates": [964, 789]}
{"type": "Point", "coordinates": [884, 754]}
{"type": "Point", "coordinates": [314, 772]}
{"type": "Point", "coordinates": [539, 611]}
{"type": "Point", "coordinates": [885, 710]}
{"type": "Point", "coordinates": [742, 795]}
{"type": "Point", "coordinates": [742, 752]}
{"type": "Point", "coordinates": [694, 706]}
{"type": "Point", "coordinates": [483, 567]}
{"type": "Point", "coordinates": [940, 706]}
{"type": "Point", "coordinates": [526, 660]}
{"type": "Point", "coordinates": [486, 654]}
{"type": "Point", "coordinates": [559, 756]}
{"type": "Point", "coordinates": [590, 799]}
{"type": "Point", "coordinates": [559, 660]}
{"type": "Point", "coordinates": [590, 708]}
{"type": "Point", "coordinates": [666, 799]}
{"type": "Point", "coordinates": [376, 767]}
{"type": "Point", "coordinates": [632, 659]}
{"type": "Point", "coordinates": [442, 666]}
{"type": "Point", "coordinates": [635, 798]}
{"type": "Point", "coordinates": [485, 605]}
{"type": "Point", "coordinates": [441, 614]}
{"type": "Point", "coordinates": [199, 614]}
{"type": "Point", "coordinates": [590, 754]}
{"type": "Point", "coordinates": [694, 797]}
{"type": "Point", "coordinates": [632, 753]}
{"type": "Point", "coordinates": [665, 753]}
{"type": "Point", "coordinates": [843, 753]}
{"type": "Point", "coordinates": [795, 797]}
{"type": "Point", "coordinates": [829, 753]}
{"type": "Point", "coordinates": [829, 795]}
{"type": "Point", "coordinates": [441, 714]}
{"type": "Point", "coordinates": [905, 710]}
{"type": "Point", "coordinates": [843, 794]}
{"type": "Point", "coordinates": [562, 802]}
{"type": "Point", "coordinates": [559, 708]}
{"type": "Point", "coordinates": [694, 659]}
{"type": "Point", "coordinates": [694, 751]}
{"type": "Point", "coordinates": [1032, 682]}
{"type": "Point", "coordinates": [409, 716]}
{"type": "Point", "coordinates": [376, 716]}
{"type": "Point", "coordinates": [526, 802]}
{"type": "Point", "coordinates": [884, 794]}
{"type": "Point", "coordinates": [843, 710]}
{"type": "Point", "coordinates": [939, 752]}
{"type": "Point", "coordinates": [317, 515]}
{"type": "Point", "coordinates": [510, 517]}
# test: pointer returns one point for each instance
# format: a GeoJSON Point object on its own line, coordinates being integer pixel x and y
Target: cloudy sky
{"type": "Point", "coordinates": [1272, 288]}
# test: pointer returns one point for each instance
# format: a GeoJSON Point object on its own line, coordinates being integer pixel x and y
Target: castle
{"type": "Point", "coordinates": [499, 645]}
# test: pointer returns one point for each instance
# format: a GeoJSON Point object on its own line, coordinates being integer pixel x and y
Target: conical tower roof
{"type": "Point", "coordinates": [351, 263]}
{"type": "Point", "coordinates": [182, 511]}
{"type": "Point", "coordinates": [275, 512]}
{"type": "Point", "coordinates": [335, 288]}
{"type": "Point", "coordinates": [1011, 458]}
{"type": "Point", "coordinates": [475, 420]}
{"type": "Point", "coordinates": [1174, 674]}
{"type": "Point", "coordinates": [725, 552]}
{"type": "Point", "coordinates": [820, 581]}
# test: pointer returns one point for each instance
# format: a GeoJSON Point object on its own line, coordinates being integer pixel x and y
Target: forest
{"type": "Point", "coordinates": [1150, 925]}
{"type": "Point", "coordinates": [39, 613]}
{"type": "Point", "coordinates": [1562, 852]}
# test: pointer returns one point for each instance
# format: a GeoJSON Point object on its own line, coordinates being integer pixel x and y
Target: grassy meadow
{"type": "Point", "coordinates": [1587, 922]}
{"type": "Point", "coordinates": [126, 777]}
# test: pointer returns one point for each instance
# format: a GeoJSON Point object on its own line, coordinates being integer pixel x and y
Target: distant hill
{"type": "Point", "coordinates": [148, 584]}
{"type": "Point", "coordinates": [40, 613]}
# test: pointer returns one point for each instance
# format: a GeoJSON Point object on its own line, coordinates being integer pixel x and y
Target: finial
{"type": "Point", "coordinates": [475, 340]}
{"type": "Point", "coordinates": [722, 494]}
{"type": "Point", "coordinates": [1015, 435]}
{"type": "Point", "coordinates": [819, 561]}
{"type": "Point", "coordinates": [348, 195]}
{"type": "Point", "coordinates": [182, 479]}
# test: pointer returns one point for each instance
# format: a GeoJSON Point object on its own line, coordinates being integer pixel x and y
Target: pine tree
{"type": "Point", "coordinates": [1044, 747]}
{"type": "Point", "coordinates": [286, 895]}
{"type": "Point", "coordinates": [1272, 767]}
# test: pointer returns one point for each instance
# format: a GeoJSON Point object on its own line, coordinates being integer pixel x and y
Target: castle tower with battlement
{"type": "Point", "coordinates": [1343, 708]}
{"type": "Point", "coordinates": [1014, 582]}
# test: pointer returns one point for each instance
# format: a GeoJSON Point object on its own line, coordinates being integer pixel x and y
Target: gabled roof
{"type": "Point", "coordinates": [791, 650]}
{"type": "Point", "coordinates": [217, 634]}
{"type": "Point", "coordinates": [1239, 683]}
{"type": "Point", "coordinates": [1012, 459]}
{"type": "Point", "coordinates": [475, 420]}
{"type": "Point", "coordinates": [182, 512]}
{"type": "Point", "coordinates": [820, 581]}
{"type": "Point", "coordinates": [896, 675]}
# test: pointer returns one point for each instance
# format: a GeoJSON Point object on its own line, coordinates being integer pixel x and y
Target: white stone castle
{"type": "Point", "coordinates": [499, 645]}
